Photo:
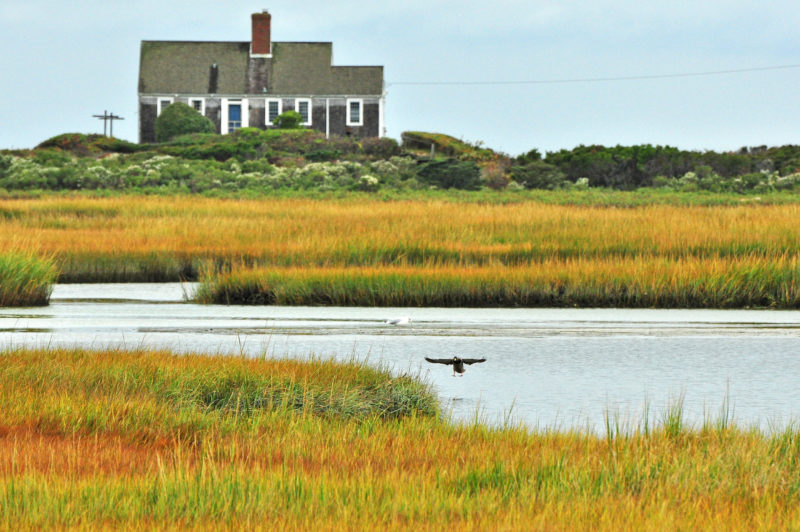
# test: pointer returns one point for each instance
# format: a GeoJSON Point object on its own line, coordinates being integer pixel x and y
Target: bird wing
{"type": "Point", "coordinates": [472, 360]}
{"type": "Point", "coordinates": [440, 360]}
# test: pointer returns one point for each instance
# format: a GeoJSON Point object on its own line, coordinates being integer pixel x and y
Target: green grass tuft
{"type": "Point", "coordinates": [25, 279]}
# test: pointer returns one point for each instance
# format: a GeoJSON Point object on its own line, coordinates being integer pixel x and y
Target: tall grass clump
{"type": "Point", "coordinates": [623, 282]}
{"type": "Point", "coordinates": [25, 279]}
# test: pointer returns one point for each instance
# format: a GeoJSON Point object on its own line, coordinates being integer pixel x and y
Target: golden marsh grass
{"type": "Point", "coordinates": [125, 439]}
{"type": "Point", "coordinates": [745, 255]}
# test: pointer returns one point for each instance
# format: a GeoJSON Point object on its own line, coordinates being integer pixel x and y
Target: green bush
{"type": "Point", "coordinates": [5, 164]}
{"type": "Point", "coordinates": [529, 157]}
{"type": "Point", "coordinates": [538, 174]}
{"type": "Point", "coordinates": [451, 173]}
{"type": "Point", "coordinates": [115, 145]}
{"type": "Point", "coordinates": [180, 119]}
{"type": "Point", "coordinates": [751, 181]}
{"type": "Point", "coordinates": [289, 120]}
{"type": "Point", "coordinates": [380, 148]}
{"type": "Point", "coordinates": [323, 155]}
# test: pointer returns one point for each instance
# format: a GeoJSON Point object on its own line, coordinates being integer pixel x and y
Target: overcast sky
{"type": "Point", "coordinates": [62, 62]}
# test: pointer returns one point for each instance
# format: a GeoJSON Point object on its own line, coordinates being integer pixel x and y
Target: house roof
{"type": "Point", "coordinates": [296, 68]}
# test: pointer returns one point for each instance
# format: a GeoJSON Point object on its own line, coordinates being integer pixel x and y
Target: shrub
{"type": "Point", "coordinates": [291, 141]}
{"type": "Point", "coordinates": [787, 182]}
{"type": "Point", "coordinates": [180, 119]}
{"type": "Point", "coordinates": [115, 145]}
{"type": "Point", "coordinates": [529, 157]}
{"type": "Point", "coordinates": [708, 179]}
{"type": "Point", "coordinates": [749, 182]}
{"type": "Point", "coordinates": [50, 157]}
{"type": "Point", "coordinates": [323, 155]}
{"type": "Point", "coordinates": [194, 139]}
{"type": "Point", "coordinates": [538, 174]}
{"type": "Point", "coordinates": [342, 144]}
{"type": "Point", "coordinates": [380, 148]}
{"type": "Point", "coordinates": [494, 175]}
{"type": "Point", "coordinates": [451, 173]}
{"type": "Point", "coordinates": [661, 181]}
{"type": "Point", "coordinates": [5, 164]}
{"type": "Point", "coordinates": [368, 183]}
{"type": "Point", "coordinates": [289, 120]}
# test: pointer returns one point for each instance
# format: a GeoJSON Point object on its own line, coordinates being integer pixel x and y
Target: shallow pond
{"type": "Point", "coordinates": [548, 368]}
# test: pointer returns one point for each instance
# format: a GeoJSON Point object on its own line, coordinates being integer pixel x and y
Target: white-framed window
{"type": "Point", "coordinates": [234, 114]}
{"type": "Point", "coordinates": [162, 104]}
{"type": "Point", "coordinates": [355, 112]}
{"type": "Point", "coordinates": [273, 108]}
{"type": "Point", "coordinates": [303, 106]}
{"type": "Point", "coordinates": [198, 104]}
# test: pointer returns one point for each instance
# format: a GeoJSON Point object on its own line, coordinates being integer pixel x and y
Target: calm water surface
{"type": "Point", "coordinates": [547, 368]}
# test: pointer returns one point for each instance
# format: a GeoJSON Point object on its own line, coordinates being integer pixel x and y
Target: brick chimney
{"type": "Point", "coordinates": [261, 44]}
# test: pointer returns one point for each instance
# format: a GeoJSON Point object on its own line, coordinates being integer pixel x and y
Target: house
{"type": "Point", "coordinates": [248, 84]}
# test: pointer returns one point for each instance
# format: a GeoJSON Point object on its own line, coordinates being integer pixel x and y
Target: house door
{"type": "Point", "coordinates": [234, 116]}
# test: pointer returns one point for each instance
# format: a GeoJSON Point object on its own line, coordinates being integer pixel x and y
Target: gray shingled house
{"type": "Point", "coordinates": [248, 84]}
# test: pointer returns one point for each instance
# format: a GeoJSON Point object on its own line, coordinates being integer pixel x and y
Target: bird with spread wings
{"type": "Point", "coordinates": [456, 362]}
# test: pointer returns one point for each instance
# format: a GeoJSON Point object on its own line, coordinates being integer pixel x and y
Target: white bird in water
{"type": "Point", "coordinates": [405, 320]}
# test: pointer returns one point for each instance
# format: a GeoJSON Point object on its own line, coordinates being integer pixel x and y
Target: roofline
{"type": "Point", "coordinates": [197, 42]}
{"type": "Point", "coordinates": [236, 42]}
{"type": "Point", "coordinates": [256, 95]}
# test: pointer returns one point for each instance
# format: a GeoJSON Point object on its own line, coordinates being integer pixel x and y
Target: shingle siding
{"type": "Point", "coordinates": [147, 120]}
{"type": "Point", "coordinates": [215, 70]}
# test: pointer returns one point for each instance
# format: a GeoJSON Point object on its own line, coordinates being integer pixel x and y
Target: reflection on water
{"type": "Point", "coordinates": [551, 368]}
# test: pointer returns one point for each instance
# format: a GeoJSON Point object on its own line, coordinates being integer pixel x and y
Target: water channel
{"type": "Point", "coordinates": [546, 368]}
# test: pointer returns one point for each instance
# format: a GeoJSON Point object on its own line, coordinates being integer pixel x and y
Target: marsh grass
{"type": "Point", "coordinates": [25, 279]}
{"type": "Point", "coordinates": [150, 439]}
{"type": "Point", "coordinates": [436, 250]}
{"type": "Point", "coordinates": [600, 282]}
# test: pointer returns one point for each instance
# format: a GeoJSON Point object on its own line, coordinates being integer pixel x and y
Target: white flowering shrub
{"type": "Point", "coordinates": [24, 173]}
{"type": "Point", "coordinates": [383, 168]}
{"type": "Point", "coordinates": [368, 182]}
{"type": "Point", "coordinates": [513, 185]}
{"type": "Point", "coordinates": [582, 183]}
{"type": "Point", "coordinates": [787, 182]}
{"type": "Point", "coordinates": [156, 162]}
{"type": "Point", "coordinates": [394, 170]}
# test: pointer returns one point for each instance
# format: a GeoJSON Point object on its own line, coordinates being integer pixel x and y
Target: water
{"type": "Point", "coordinates": [546, 368]}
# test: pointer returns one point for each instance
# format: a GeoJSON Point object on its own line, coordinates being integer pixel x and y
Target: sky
{"type": "Point", "coordinates": [513, 75]}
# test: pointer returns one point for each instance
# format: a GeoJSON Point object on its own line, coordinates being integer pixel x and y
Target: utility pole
{"type": "Point", "coordinates": [108, 119]}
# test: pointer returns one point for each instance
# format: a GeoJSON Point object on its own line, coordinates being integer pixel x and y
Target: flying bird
{"type": "Point", "coordinates": [456, 362]}
{"type": "Point", "coordinates": [405, 320]}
